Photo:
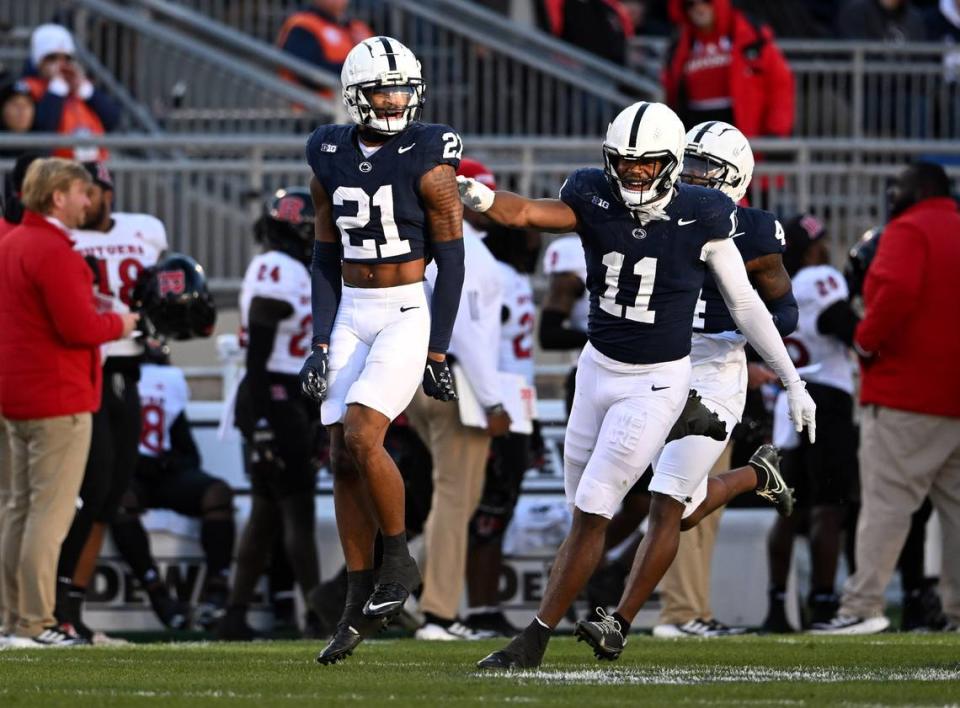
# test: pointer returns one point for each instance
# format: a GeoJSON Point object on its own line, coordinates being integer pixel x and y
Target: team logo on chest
{"type": "Point", "coordinates": [365, 166]}
{"type": "Point", "coordinates": [639, 233]}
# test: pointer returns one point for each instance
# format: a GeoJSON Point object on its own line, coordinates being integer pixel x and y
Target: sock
{"type": "Point", "coordinates": [359, 586]}
{"type": "Point", "coordinates": [217, 538]}
{"type": "Point", "coordinates": [624, 625]}
{"type": "Point", "coordinates": [763, 477]}
{"type": "Point", "coordinates": [435, 619]}
{"type": "Point", "coordinates": [777, 594]}
{"type": "Point", "coordinates": [395, 547]}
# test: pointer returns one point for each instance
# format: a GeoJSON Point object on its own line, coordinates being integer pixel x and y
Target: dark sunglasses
{"type": "Point", "coordinates": [59, 57]}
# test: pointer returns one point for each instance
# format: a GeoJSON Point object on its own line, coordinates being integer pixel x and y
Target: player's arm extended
{"type": "Point", "coordinates": [770, 279]}
{"type": "Point", "coordinates": [752, 318]}
{"type": "Point", "coordinates": [509, 209]}
{"type": "Point", "coordinates": [326, 277]}
{"type": "Point", "coordinates": [565, 289]}
{"type": "Point", "coordinates": [444, 216]}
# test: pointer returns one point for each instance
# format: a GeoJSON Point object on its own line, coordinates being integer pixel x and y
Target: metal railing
{"type": "Point", "coordinates": [207, 189]}
{"type": "Point", "coordinates": [854, 89]}
{"type": "Point", "coordinates": [485, 75]}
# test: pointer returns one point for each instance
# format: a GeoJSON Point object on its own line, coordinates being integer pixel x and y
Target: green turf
{"type": "Point", "coordinates": [796, 671]}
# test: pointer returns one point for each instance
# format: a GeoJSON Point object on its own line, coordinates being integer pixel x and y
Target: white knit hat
{"type": "Point", "coordinates": [50, 39]}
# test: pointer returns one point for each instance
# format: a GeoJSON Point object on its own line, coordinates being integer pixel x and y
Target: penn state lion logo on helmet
{"type": "Point", "coordinates": [382, 85]}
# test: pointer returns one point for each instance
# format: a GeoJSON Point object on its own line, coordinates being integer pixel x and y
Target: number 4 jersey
{"type": "Point", "coordinates": [376, 196]}
{"type": "Point", "coordinates": [644, 279]}
{"type": "Point", "coordinates": [276, 276]}
{"type": "Point", "coordinates": [134, 242]}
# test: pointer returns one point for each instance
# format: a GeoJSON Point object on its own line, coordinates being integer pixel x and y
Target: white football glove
{"type": "Point", "coordinates": [803, 411]}
{"type": "Point", "coordinates": [474, 195]}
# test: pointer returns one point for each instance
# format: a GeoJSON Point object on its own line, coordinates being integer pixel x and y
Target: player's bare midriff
{"type": "Point", "coordinates": [383, 275]}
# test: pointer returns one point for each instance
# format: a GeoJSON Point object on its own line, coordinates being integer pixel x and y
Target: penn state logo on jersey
{"type": "Point", "coordinates": [376, 197]}
{"type": "Point", "coordinates": [758, 234]}
{"type": "Point", "coordinates": [643, 291]}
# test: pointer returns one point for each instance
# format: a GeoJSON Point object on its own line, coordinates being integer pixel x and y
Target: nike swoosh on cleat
{"type": "Point", "coordinates": [685, 222]}
{"type": "Point", "coordinates": [412, 307]}
{"type": "Point", "coordinates": [383, 604]}
{"type": "Point", "coordinates": [402, 150]}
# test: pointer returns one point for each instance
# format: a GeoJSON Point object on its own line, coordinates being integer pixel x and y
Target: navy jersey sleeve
{"type": "Point", "coordinates": [438, 145]}
{"type": "Point", "coordinates": [576, 191]}
{"type": "Point", "coordinates": [767, 236]}
{"type": "Point", "coordinates": [315, 148]}
{"type": "Point", "coordinates": [717, 215]}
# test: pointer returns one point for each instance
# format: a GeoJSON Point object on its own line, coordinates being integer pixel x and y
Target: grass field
{"type": "Point", "coordinates": [794, 671]}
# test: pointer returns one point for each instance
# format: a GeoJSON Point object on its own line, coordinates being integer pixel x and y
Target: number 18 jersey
{"type": "Point", "coordinates": [134, 242]}
{"type": "Point", "coordinates": [276, 276]}
{"type": "Point", "coordinates": [376, 197]}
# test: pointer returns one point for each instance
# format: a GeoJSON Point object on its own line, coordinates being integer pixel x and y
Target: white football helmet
{"type": "Point", "coordinates": [643, 132]}
{"type": "Point", "coordinates": [718, 156]}
{"type": "Point", "coordinates": [382, 65]}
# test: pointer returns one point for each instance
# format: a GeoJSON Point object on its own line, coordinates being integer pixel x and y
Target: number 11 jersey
{"type": "Point", "coordinates": [376, 197]}
{"type": "Point", "coordinates": [644, 279]}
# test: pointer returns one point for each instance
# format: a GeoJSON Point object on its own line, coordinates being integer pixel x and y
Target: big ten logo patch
{"type": "Point", "coordinates": [627, 429]}
{"type": "Point", "coordinates": [171, 282]}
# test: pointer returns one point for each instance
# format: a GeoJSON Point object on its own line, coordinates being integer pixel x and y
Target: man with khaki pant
{"type": "Point", "coordinates": [910, 424]}
{"type": "Point", "coordinates": [7, 620]}
{"type": "Point", "coordinates": [459, 452]}
{"type": "Point", "coordinates": [50, 333]}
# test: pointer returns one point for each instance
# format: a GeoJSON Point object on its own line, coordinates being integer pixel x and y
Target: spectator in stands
{"type": "Point", "coordinates": [643, 20]}
{"type": "Point", "coordinates": [943, 22]}
{"type": "Point", "coordinates": [725, 67]}
{"type": "Point", "coordinates": [50, 334]}
{"type": "Point", "coordinates": [67, 101]}
{"type": "Point", "coordinates": [322, 35]}
{"type": "Point", "coordinates": [17, 110]}
{"type": "Point", "coordinates": [910, 427]}
{"type": "Point", "coordinates": [794, 18]}
{"type": "Point", "coordinates": [883, 20]}
{"type": "Point", "coordinates": [460, 452]}
{"type": "Point", "coordinates": [602, 27]}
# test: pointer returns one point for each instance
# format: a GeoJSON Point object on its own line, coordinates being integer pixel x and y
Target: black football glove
{"type": "Point", "coordinates": [263, 446]}
{"type": "Point", "coordinates": [313, 375]}
{"type": "Point", "coordinates": [697, 419]}
{"type": "Point", "coordinates": [438, 381]}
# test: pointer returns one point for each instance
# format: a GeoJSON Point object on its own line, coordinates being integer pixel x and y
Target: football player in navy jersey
{"type": "Point", "coordinates": [719, 156]}
{"type": "Point", "coordinates": [385, 193]}
{"type": "Point", "coordinates": [647, 241]}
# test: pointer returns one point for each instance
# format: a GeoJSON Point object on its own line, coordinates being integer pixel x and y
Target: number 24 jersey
{"type": "Point", "coordinates": [276, 276]}
{"type": "Point", "coordinates": [644, 279]}
{"type": "Point", "coordinates": [376, 198]}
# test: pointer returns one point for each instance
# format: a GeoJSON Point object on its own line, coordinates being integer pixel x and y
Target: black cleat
{"type": "Point", "coordinates": [392, 591]}
{"type": "Point", "coordinates": [347, 637]}
{"type": "Point", "coordinates": [766, 460]}
{"type": "Point", "coordinates": [697, 419]}
{"type": "Point", "coordinates": [602, 635]}
{"type": "Point", "coordinates": [525, 651]}
{"type": "Point", "coordinates": [171, 612]}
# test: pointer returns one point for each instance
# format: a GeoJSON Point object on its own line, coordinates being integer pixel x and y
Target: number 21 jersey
{"type": "Point", "coordinates": [376, 197]}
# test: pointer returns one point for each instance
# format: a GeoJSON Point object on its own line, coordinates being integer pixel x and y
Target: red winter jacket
{"type": "Point", "coordinates": [50, 330]}
{"type": "Point", "coordinates": [912, 300]}
{"type": "Point", "coordinates": [761, 83]}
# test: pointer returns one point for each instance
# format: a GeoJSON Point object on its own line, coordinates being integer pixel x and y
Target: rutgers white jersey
{"type": "Point", "coordinates": [163, 397]}
{"type": "Point", "coordinates": [277, 276]}
{"type": "Point", "coordinates": [134, 242]}
{"type": "Point", "coordinates": [817, 288]}
{"type": "Point", "coordinates": [565, 255]}
{"type": "Point", "coordinates": [516, 332]}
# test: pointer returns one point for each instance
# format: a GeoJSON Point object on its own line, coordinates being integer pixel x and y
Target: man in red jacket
{"type": "Point", "coordinates": [910, 427]}
{"type": "Point", "coordinates": [50, 333]}
{"type": "Point", "coordinates": [725, 67]}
